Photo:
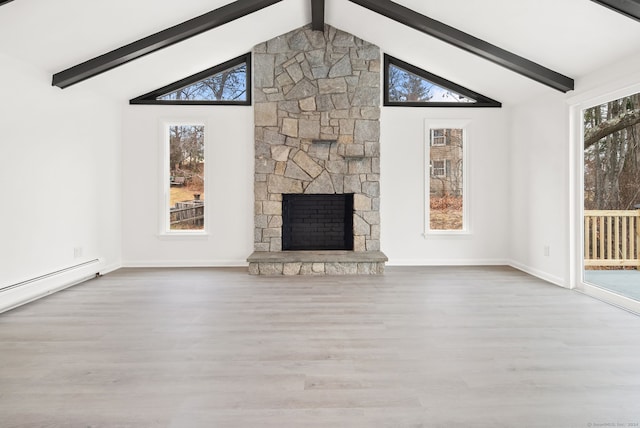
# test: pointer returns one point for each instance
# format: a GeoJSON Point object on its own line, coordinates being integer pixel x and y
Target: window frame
{"type": "Point", "coordinates": [444, 168]}
{"type": "Point", "coordinates": [164, 185]}
{"type": "Point", "coordinates": [434, 136]}
{"type": "Point", "coordinates": [151, 97]}
{"type": "Point", "coordinates": [481, 100]}
{"type": "Point", "coordinates": [465, 125]}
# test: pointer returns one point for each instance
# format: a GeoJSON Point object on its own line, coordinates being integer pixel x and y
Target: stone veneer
{"type": "Point", "coordinates": [317, 130]}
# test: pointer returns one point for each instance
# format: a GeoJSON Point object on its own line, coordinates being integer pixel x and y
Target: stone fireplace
{"type": "Point", "coordinates": [317, 132]}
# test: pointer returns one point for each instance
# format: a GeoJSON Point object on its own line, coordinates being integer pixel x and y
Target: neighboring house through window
{"type": "Point", "coordinates": [446, 184]}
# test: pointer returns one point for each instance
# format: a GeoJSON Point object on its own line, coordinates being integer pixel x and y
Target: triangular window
{"type": "Point", "coordinates": [408, 86]}
{"type": "Point", "coordinates": [226, 84]}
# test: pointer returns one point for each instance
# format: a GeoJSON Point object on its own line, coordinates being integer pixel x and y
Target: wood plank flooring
{"type": "Point", "coordinates": [417, 347]}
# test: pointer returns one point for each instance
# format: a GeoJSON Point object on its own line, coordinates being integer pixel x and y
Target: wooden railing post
{"type": "Point", "coordinates": [638, 239]}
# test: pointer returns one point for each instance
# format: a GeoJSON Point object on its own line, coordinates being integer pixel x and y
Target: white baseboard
{"type": "Point", "coordinates": [561, 282]}
{"type": "Point", "coordinates": [33, 289]}
{"type": "Point", "coordinates": [446, 262]}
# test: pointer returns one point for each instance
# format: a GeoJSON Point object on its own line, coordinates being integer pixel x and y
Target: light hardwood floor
{"type": "Point", "coordinates": [417, 347]}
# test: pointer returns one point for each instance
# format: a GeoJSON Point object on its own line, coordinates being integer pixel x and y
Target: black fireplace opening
{"type": "Point", "coordinates": [317, 222]}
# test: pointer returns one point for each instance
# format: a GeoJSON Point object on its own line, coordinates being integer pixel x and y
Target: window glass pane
{"type": "Point", "coordinates": [186, 177]}
{"type": "Point", "coordinates": [228, 85]}
{"type": "Point", "coordinates": [611, 209]}
{"type": "Point", "coordinates": [446, 179]}
{"type": "Point", "coordinates": [405, 86]}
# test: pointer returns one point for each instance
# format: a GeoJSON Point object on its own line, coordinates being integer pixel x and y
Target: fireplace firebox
{"type": "Point", "coordinates": [317, 222]}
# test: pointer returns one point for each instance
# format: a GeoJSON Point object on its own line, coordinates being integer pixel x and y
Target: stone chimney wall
{"type": "Point", "coordinates": [317, 128]}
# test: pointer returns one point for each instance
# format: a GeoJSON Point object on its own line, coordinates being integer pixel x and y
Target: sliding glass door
{"type": "Point", "coordinates": [611, 197]}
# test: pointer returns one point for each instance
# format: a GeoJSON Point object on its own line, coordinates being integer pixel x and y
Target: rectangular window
{"type": "Point", "coordinates": [438, 137]}
{"type": "Point", "coordinates": [438, 168]}
{"type": "Point", "coordinates": [184, 178]}
{"type": "Point", "coordinates": [445, 193]}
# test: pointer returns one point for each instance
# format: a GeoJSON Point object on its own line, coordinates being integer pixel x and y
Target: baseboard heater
{"type": "Point", "coordinates": [51, 274]}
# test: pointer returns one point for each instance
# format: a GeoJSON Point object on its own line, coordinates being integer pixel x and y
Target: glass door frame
{"type": "Point", "coordinates": [577, 105]}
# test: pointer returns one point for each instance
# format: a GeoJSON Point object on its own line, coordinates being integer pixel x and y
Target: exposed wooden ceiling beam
{"type": "Point", "coordinates": [629, 8]}
{"type": "Point", "coordinates": [317, 15]}
{"type": "Point", "coordinates": [160, 40]}
{"type": "Point", "coordinates": [469, 43]}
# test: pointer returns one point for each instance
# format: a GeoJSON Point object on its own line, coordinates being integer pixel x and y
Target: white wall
{"type": "Point", "coordinates": [229, 187]}
{"type": "Point", "coordinates": [539, 193]}
{"type": "Point", "coordinates": [403, 188]}
{"type": "Point", "coordinates": [60, 175]}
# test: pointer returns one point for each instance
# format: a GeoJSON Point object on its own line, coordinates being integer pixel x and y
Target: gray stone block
{"type": "Point", "coordinates": [309, 129]}
{"type": "Point", "coordinates": [254, 269]}
{"type": "Point", "coordinates": [366, 97]}
{"type": "Point", "coordinates": [360, 227]}
{"type": "Point", "coordinates": [308, 104]}
{"type": "Point", "coordinates": [371, 188]}
{"type": "Point", "coordinates": [278, 45]}
{"type": "Point", "coordinates": [302, 89]}
{"type": "Point", "coordinates": [272, 208]}
{"type": "Point", "coordinates": [299, 41]}
{"type": "Point", "coordinates": [295, 172]}
{"type": "Point", "coordinates": [320, 72]}
{"type": "Point", "coordinates": [289, 128]}
{"type": "Point", "coordinates": [291, 268]}
{"type": "Point", "coordinates": [295, 72]}
{"type": "Point", "coordinates": [280, 184]}
{"type": "Point", "coordinates": [352, 184]}
{"type": "Point", "coordinates": [263, 66]}
{"type": "Point", "coordinates": [341, 68]}
{"type": "Point", "coordinates": [367, 130]}
{"type": "Point", "coordinates": [280, 153]}
{"type": "Point", "coordinates": [266, 114]}
{"type": "Point", "coordinates": [341, 268]}
{"type": "Point", "coordinates": [270, 268]}
{"type": "Point", "coordinates": [341, 101]}
{"type": "Point", "coordinates": [307, 164]}
{"type": "Point", "coordinates": [337, 85]}
{"type": "Point", "coordinates": [290, 106]}
{"type": "Point", "coordinates": [284, 80]}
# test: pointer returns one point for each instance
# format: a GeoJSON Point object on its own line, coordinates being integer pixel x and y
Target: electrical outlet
{"type": "Point", "coordinates": [77, 252]}
{"type": "Point", "coordinates": [546, 251]}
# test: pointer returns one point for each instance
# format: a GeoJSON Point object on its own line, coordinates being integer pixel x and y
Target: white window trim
{"type": "Point", "coordinates": [442, 139]}
{"type": "Point", "coordinates": [164, 196]}
{"type": "Point", "coordinates": [465, 125]}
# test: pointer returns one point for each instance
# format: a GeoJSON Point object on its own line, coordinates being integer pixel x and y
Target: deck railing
{"type": "Point", "coordinates": [191, 212]}
{"type": "Point", "coordinates": [612, 238]}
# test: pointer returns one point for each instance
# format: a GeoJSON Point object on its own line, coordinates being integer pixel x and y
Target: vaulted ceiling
{"type": "Point", "coordinates": [570, 37]}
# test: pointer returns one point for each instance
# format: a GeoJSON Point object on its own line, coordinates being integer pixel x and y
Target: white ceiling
{"type": "Point", "coordinates": [572, 37]}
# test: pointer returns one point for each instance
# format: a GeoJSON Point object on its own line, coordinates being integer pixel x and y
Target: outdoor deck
{"type": "Point", "coordinates": [624, 282]}
{"type": "Point", "coordinates": [612, 240]}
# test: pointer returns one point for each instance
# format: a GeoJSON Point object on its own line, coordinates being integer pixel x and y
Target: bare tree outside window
{"type": "Point", "coordinates": [612, 155]}
{"type": "Point", "coordinates": [612, 194]}
{"type": "Point", "coordinates": [186, 177]}
{"type": "Point", "coordinates": [228, 85]}
{"type": "Point", "coordinates": [405, 86]}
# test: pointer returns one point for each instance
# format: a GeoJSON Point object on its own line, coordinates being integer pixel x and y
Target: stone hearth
{"type": "Point", "coordinates": [317, 263]}
{"type": "Point", "coordinates": [317, 131]}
